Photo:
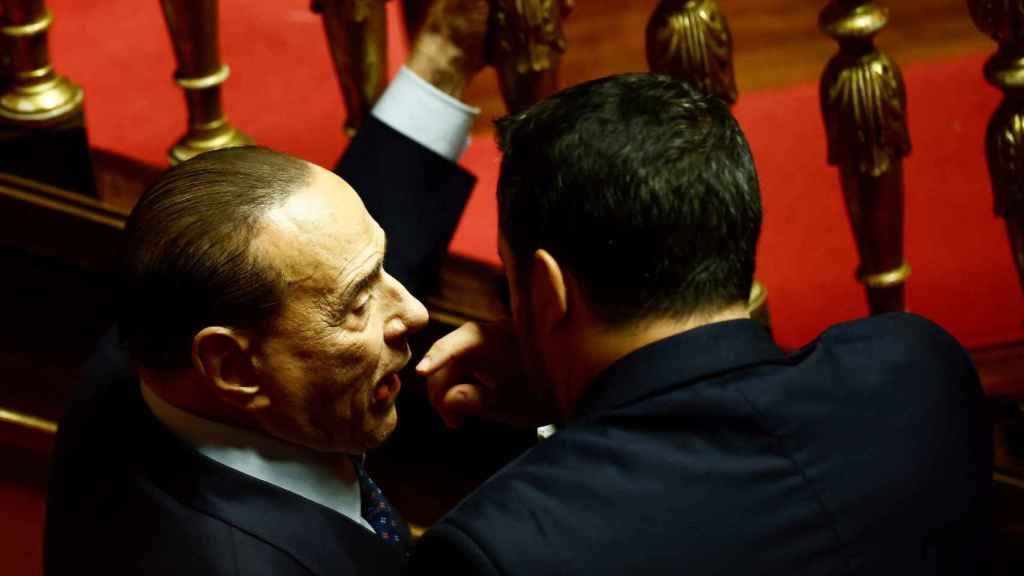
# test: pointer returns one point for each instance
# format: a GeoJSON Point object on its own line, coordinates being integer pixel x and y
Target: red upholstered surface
{"type": "Point", "coordinates": [283, 93]}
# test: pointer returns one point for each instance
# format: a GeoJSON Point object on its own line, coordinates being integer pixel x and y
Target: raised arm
{"type": "Point", "coordinates": [403, 159]}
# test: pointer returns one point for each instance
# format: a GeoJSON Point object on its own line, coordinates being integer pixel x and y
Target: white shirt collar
{"type": "Point", "coordinates": [329, 479]}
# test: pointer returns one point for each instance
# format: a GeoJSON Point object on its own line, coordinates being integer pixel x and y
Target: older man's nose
{"type": "Point", "coordinates": [417, 316]}
{"type": "Point", "coordinates": [410, 314]}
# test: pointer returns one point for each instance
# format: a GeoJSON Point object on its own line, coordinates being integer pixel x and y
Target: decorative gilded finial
{"type": "Point", "coordinates": [357, 36]}
{"type": "Point", "coordinates": [862, 93]}
{"type": "Point", "coordinates": [690, 39]}
{"type": "Point", "coordinates": [863, 101]}
{"type": "Point", "coordinates": [528, 44]}
{"type": "Point", "coordinates": [1003, 20]}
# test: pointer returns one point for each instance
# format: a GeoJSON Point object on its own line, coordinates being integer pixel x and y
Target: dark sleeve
{"type": "Point", "coordinates": [445, 549]}
{"type": "Point", "coordinates": [416, 195]}
{"type": "Point", "coordinates": [65, 502]}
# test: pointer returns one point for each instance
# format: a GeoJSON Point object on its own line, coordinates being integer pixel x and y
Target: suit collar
{"type": "Point", "coordinates": [325, 478]}
{"type": "Point", "coordinates": [320, 539]}
{"type": "Point", "coordinates": [677, 361]}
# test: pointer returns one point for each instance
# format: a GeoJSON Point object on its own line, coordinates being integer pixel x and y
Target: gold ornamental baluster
{"type": "Point", "coordinates": [36, 93]}
{"type": "Point", "coordinates": [1003, 20]}
{"type": "Point", "coordinates": [690, 40]}
{"type": "Point", "coordinates": [41, 115]}
{"type": "Point", "coordinates": [357, 36]}
{"type": "Point", "coordinates": [193, 28]}
{"type": "Point", "coordinates": [863, 100]}
{"type": "Point", "coordinates": [528, 48]}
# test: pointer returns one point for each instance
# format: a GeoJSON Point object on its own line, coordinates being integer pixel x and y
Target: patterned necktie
{"type": "Point", "coordinates": [376, 509]}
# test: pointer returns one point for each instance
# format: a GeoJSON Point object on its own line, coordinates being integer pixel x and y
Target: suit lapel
{"type": "Point", "coordinates": [322, 540]}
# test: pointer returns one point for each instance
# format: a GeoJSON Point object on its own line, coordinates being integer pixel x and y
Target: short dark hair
{"type": "Point", "coordinates": [639, 184]}
{"type": "Point", "coordinates": [188, 262]}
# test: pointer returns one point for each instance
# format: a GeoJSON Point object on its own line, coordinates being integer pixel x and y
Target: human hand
{"type": "Point", "coordinates": [477, 370]}
{"type": "Point", "coordinates": [451, 47]}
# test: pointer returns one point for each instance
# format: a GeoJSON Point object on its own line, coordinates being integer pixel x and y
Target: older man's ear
{"type": "Point", "coordinates": [223, 358]}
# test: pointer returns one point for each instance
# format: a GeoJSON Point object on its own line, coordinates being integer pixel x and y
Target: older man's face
{"type": "Point", "coordinates": [329, 361]}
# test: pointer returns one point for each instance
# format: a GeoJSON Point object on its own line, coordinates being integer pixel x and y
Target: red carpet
{"type": "Point", "coordinates": [283, 93]}
{"type": "Point", "coordinates": [23, 502]}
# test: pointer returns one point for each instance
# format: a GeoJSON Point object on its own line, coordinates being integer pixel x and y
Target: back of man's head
{"type": "Point", "coordinates": [642, 187]}
{"type": "Point", "coordinates": [188, 262]}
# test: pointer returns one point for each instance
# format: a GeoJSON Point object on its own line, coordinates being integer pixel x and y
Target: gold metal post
{"type": "Point", "coordinates": [42, 123]}
{"type": "Point", "coordinates": [528, 47]}
{"type": "Point", "coordinates": [193, 28]}
{"type": "Point", "coordinates": [36, 94]}
{"type": "Point", "coordinates": [357, 36]}
{"type": "Point", "coordinates": [1003, 20]}
{"type": "Point", "coordinates": [863, 100]}
{"type": "Point", "coordinates": [690, 40]}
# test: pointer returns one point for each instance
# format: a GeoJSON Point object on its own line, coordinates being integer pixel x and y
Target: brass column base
{"type": "Point", "coordinates": [50, 101]}
{"type": "Point", "coordinates": [42, 126]}
{"type": "Point", "coordinates": [217, 134]}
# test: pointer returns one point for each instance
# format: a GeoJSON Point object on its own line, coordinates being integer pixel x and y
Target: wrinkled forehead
{"type": "Point", "coordinates": [319, 233]}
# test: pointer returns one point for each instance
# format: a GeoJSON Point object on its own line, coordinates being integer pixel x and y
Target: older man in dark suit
{"type": "Point", "coordinates": [689, 443]}
{"type": "Point", "coordinates": [266, 312]}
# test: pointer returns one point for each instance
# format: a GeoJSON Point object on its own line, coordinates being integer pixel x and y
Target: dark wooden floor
{"type": "Point", "coordinates": [777, 42]}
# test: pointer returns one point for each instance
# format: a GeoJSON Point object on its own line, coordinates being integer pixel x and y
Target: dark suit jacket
{"type": "Point", "coordinates": [713, 452]}
{"type": "Point", "coordinates": [126, 496]}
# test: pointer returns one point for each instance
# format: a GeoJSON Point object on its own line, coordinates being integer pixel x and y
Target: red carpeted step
{"type": "Point", "coordinates": [23, 501]}
{"type": "Point", "coordinates": [283, 92]}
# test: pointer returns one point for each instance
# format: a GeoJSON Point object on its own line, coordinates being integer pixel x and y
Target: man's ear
{"type": "Point", "coordinates": [548, 296]}
{"type": "Point", "coordinates": [222, 356]}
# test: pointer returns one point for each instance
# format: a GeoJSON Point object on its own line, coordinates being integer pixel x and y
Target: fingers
{"type": "Point", "coordinates": [465, 370]}
{"type": "Point", "coordinates": [460, 401]}
{"type": "Point", "coordinates": [457, 344]}
{"type": "Point", "coordinates": [438, 384]}
{"type": "Point", "coordinates": [465, 399]}
{"type": "Point", "coordinates": [452, 396]}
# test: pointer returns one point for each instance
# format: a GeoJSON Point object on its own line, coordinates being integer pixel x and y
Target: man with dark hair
{"type": "Point", "coordinates": [580, 195]}
{"type": "Point", "coordinates": [688, 443]}
{"type": "Point", "coordinates": [266, 313]}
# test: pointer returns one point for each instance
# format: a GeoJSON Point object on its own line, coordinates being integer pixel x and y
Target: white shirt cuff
{"type": "Point", "coordinates": [426, 115]}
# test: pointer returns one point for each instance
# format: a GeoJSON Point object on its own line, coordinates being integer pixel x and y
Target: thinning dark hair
{"type": "Point", "coordinates": [188, 261]}
{"type": "Point", "coordinates": [643, 187]}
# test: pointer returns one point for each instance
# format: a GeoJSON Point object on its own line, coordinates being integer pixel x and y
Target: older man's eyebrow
{"type": "Point", "coordinates": [346, 298]}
